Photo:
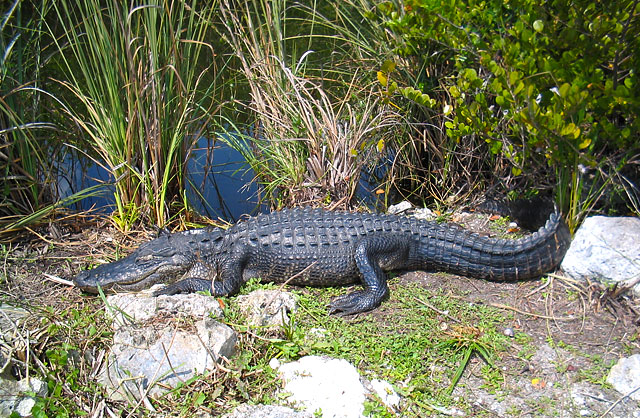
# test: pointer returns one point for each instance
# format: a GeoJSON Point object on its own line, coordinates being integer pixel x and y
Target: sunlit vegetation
{"type": "Point", "coordinates": [429, 100]}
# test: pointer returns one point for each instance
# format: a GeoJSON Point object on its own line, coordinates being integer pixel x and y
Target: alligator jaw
{"type": "Point", "coordinates": [129, 274]}
{"type": "Point", "coordinates": [162, 260]}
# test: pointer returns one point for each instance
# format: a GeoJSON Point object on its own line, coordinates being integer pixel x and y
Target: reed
{"type": "Point", "coordinates": [140, 83]}
{"type": "Point", "coordinates": [26, 167]}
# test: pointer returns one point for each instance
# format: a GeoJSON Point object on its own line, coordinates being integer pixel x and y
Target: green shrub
{"type": "Point", "coordinates": [550, 87]}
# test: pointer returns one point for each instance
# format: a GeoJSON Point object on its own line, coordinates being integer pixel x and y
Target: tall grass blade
{"type": "Point", "coordinates": [141, 79]}
{"type": "Point", "coordinates": [26, 167]}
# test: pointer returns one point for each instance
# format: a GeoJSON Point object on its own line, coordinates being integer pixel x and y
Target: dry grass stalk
{"type": "Point", "coordinates": [308, 148]}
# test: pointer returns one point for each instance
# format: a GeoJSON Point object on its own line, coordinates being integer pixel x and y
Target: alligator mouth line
{"type": "Point", "coordinates": [88, 280]}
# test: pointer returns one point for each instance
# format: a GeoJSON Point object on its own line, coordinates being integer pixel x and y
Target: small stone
{"type": "Point", "coordinates": [386, 393]}
{"type": "Point", "coordinates": [509, 332]}
{"type": "Point", "coordinates": [624, 376]}
{"type": "Point", "coordinates": [267, 308]}
{"type": "Point", "coordinates": [319, 332]}
{"type": "Point", "coordinates": [424, 214]}
{"type": "Point", "coordinates": [14, 397]}
{"type": "Point", "coordinates": [274, 363]}
{"type": "Point", "coordinates": [400, 208]}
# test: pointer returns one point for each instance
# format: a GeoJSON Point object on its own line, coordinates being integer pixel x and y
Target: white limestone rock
{"type": "Point", "coordinates": [605, 249]}
{"type": "Point", "coordinates": [161, 341]}
{"type": "Point", "coordinates": [145, 360]}
{"type": "Point", "coordinates": [386, 393]}
{"type": "Point", "coordinates": [266, 411]}
{"type": "Point", "coordinates": [624, 376]}
{"type": "Point", "coordinates": [331, 388]}
{"type": "Point", "coordinates": [14, 397]}
{"type": "Point", "coordinates": [129, 308]}
{"type": "Point", "coordinates": [400, 208]}
{"type": "Point", "coordinates": [406, 208]}
{"type": "Point", "coordinates": [267, 308]}
{"type": "Point", "coordinates": [326, 385]}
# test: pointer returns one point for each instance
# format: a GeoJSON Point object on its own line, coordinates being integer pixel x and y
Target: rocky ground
{"type": "Point", "coordinates": [575, 331]}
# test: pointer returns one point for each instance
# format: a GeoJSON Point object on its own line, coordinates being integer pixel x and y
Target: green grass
{"type": "Point", "coordinates": [64, 365]}
{"type": "Point", "coordinates": [403, 342]}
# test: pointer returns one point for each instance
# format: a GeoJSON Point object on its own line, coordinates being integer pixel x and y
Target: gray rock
{"type": "Point", "coordinates": [266, 411]}
{"type": "Point", "coordinates": [400, 208]}
{"type": "Point", "coordinates": [154, 348]}
{"type": "Point", "coordinates": [406, 208]}
{"type": "Point", "coordinates": [625, 376]}
{"type": "Point", "coordinates": [424, 214]}
{"type": "Point", "coordinates": [128, 308]}
{"type": "Point", "coordinates": [13, 396]}
{"type": "Point", "coordinates": [331, 386]}
{"type": "Point", "coordinates": [267, 308]}
{"type": "Point", "coordinates": [606, 249]}
{"type": "Point", "coordinates": [9, 316]}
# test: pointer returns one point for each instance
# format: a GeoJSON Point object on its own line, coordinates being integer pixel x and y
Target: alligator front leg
{"type": "Point", "coordinates": [198, 279]}
{"type": "Point", "coordinates": [195, 284]}
{"type": "Point", "coordinates": [370, 255]}
{"type": "Point", "coordinates": [188, 285]}
{"type": "Point", "coordinates": [203, 277]}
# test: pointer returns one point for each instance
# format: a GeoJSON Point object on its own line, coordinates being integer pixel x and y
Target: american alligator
{"type": "Point", "coordinates": [314, 247]}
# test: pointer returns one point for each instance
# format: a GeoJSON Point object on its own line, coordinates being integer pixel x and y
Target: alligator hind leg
{"type": "Point", "coordinates": [370, 255]}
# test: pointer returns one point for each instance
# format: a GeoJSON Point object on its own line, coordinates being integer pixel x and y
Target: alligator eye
{"type": "Point", "coordinates": [147, 257]}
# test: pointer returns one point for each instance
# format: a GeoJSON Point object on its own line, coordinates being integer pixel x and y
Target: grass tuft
{"type": "Point", "coordinates": [137, 85]}
{"type": "Point", "coordinates": [306, 147]}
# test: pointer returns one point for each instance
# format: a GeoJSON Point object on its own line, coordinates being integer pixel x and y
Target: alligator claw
{"type": "Point", "coordinates": [353, 303]}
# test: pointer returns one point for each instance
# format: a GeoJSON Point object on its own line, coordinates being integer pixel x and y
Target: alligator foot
{"type": "Point", "coordinates": [189, 285]}
{"type": "Point", "coordinates": [353, 303]}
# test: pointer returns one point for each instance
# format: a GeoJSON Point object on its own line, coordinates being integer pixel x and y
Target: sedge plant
{"type": "Point", "coordinates": [140, 84]}
{"type": "Point", "coordinates": [26, 168]}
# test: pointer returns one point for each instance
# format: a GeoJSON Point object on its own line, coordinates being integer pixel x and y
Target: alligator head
{"type": "Point", "coordinates": [162, 260]}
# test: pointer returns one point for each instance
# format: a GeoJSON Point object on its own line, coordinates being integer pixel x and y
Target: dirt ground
{"type": "Point", "coordinates": [577, 331]}
{"type": "Point", "coordinates": [572, 343]}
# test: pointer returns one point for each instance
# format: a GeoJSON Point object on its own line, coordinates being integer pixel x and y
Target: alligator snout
{"type": "Point", "coordinates": [83, 281]}
{"type": "Point", "coordinates": [88, 280]}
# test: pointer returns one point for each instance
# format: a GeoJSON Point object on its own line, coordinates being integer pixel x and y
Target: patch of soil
{"type": "Point", "coordinates": [560, 369]}
{"type": "Point", "coordinates": [575, 333]}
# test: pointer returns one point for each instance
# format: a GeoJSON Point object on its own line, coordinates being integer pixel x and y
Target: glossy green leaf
{"type": "Point", "coordinates": [388, 66]}
{"type": "Point", "coordinates": [538, 26]}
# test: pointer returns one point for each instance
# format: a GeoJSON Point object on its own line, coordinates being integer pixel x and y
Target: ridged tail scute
{"type": "Point", "coordinates": [458, 251]}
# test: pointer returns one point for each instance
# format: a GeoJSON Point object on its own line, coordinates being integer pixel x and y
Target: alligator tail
{"type": "Point", "coordinates": [458, 251]}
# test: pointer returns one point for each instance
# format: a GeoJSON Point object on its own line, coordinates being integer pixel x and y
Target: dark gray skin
{"type": "Point", "coordinates": [314, 247]}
